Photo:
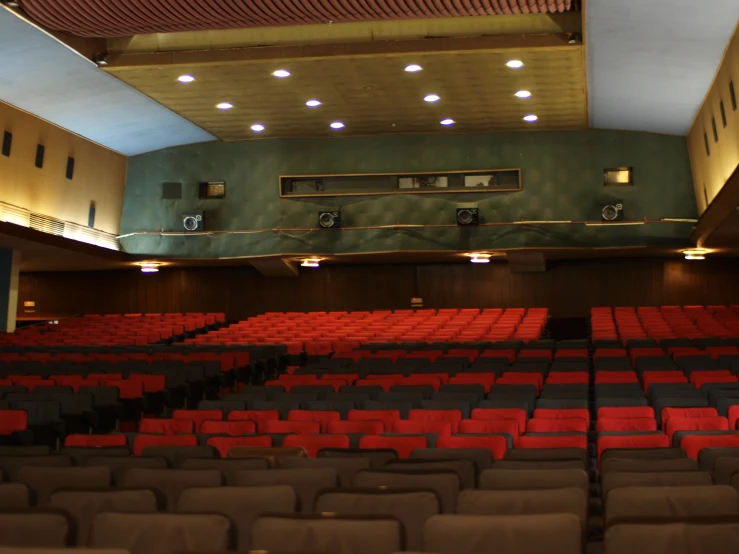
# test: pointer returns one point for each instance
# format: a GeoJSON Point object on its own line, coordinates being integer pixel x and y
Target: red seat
{"type": "Point", "coordinates": [489, 426]}
{"type": "Point", "coordinates": [386, 416]}
{"type": "Point", "coordinates": [627, 412]}
{"type": "Point", "coordinates": [127, 390]}
{"type": "Point", "coordinates": [610, 377]}
{"type": "Point", "coordinates": [289, 427]}
{"type": "Point", "coordinates": [572, 425]}
{"type": "Point", "coordinates": [568, 377]}
{"type": "Point", "coordinates": [402, 445]}
{"type": "Point", "coordinates": [224, 444]}
{"type": "Point", "coordinates": [95, 441]}
{"type": "Point", "coordinates": [12, 421]}
{"type": "Point", "coordinates": [367, 427]}
{"type": "Point", "coordinates": [631, 442]}
{"type": "Point", "coordinates": [516, 414]}
{"type": "Point", "coordinates": [626, 424]}
{"type": "Point", "coordinates": [422, 426]}
{"type": "Point", "coordinates": [693, 444]}
{"type": "Point", "coordinates": [651, 377]}
{"type": "Point", "coordinates": [487, 380]}
{"type": "Point", "coordinates": [535, 353]}
{"type": "Point", "coordinates": [700, 378]}
{"type": "Point", "coordinates": [198, 416]}
{"type": "Point", "coordinates": [143, 441]}
{"type": "Point", "coordinates": [314, 443]}
{"type": "Point", "coordinates": [151, 383]}
{"type": "Point", "coordinates": [572, 413]}
{"type": "Point", "coordinates": [452, 416]}
{"type": "Point", "coordinates": [497, 445]}
{"type": "Point", "coordinates": [384, 383]}
{"type": "Point", "coordinates": [433, 381]}
{"type": "Point", "coordinates": [254, 415]}
{"type": "Point", "coordinates": [667, 413]}
{"type": "Point", "coordinates": [509, 378]}
{"type": "Point", "coordinates": [733, 417]}
{"type": "Point", "coordinates": [167, 426]}
{"type": "Point", "coordinates": [525, 441]}
{"type": "Point", "coordinates": [31, 384]}
{"type": "Point", "coordinates": [322, 417]}
{"type": "Point", "coordinates": [675, 424]}
{"type": "Point", "coordinates": [233, 428]}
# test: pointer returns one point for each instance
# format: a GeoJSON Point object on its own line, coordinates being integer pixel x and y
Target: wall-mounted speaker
{"type": "Point", "coordinates": [612, 212]}
{"type": "Point", "coordinates": [70, 168]}
{"type": "Point", "coordinates": [193, 221]}
{"type": "Point", "coordinates": [468, 214]}
{"type": "Point", "coordinates": [7, 143]}
{"type": "Point", "coordinates": [40, 151]}
{"type": "Point", "coordinates": [329, 220]}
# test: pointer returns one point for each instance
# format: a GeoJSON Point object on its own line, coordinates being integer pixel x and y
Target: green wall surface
{"type": "Point", "coordinates": [561, 173]}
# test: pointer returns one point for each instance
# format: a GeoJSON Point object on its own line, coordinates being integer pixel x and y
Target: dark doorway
{"type": "Point", "coordinates": [568, 328]}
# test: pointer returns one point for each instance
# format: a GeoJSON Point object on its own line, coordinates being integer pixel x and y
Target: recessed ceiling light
{"type": "Point", "coordinates": [281, 73]}
{"type": "Point", "coordinates": [224, 106]}
{"type": "Point", "coordinates": [185, 78]}
{"type": "Point", "coordinates": [432, 98]}
{"type": "Point", "coordinates": [447, 121]}
{"type": "Point", "coordinates": [311, 262]}
{"type": "Point", "coordinates": [530, 118]}
{"type": "Point", "coordinates": [515, 64]}
{"type": "Point", "coordinates": [523, 94]}
{"type": "Point", "coordinates": [257, 127]}
{"type": "Point", "coordinates": [149, 267]}
{"type": "Point", "coordinates": [313, 103]}
{"type": "Point", "coordinates": [695, 254]}
{"type": "Point", "coordinates": [337, 125]}
{"type": "Point", "coordinates": [413, 68]}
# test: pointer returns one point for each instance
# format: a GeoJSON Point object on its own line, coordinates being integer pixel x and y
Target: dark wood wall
{"type": "Point", "coordinates": [567, 288]}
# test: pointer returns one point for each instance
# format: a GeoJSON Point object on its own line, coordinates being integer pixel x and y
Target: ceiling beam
{"type": "Point", "coordinates": [275, 267]}
{"type": "Point", "coordinates": [723, 206]}
{"type": "Point", "coordinates": [314, 51]}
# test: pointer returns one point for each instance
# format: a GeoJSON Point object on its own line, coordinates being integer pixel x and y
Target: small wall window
{"type": "Point", "coordinates": [715, 131]}
{"type": "Point", "coordinates": [723, 113]}
{"type": "Point", "coordinates": [732, 93]}
{"type": "Point", "coordinates": [705, 140]}
{"type": "Point", "coordinates": [40, 150]}
{"type": "Point", "coordinates": [7, 143]}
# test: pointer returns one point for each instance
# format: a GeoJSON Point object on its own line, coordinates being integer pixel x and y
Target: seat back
{"type": "Point", "coordinates": [305, 482]}
{"type": "Point", "coordinates": [171, 482]}
{"type": "Point", "coordinates": [445, 483]}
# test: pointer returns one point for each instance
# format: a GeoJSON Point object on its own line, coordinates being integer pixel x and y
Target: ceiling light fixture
{"type": "Point", "coordinates": [281, 73]}
{"type": "Point", "coordinates": [530, 118]}
{"type": "Point", "coordinates": [523, 94]}
{"type": "Point", "coordinates": [185, 79]}
{"type": "Point", "coordinates": [311, 262]}
{"type": "Point", "coordinates": [313, 103]}
{"type": "Point", "coordinates": [479, 258]}
{"type": "Point", "coordinates": [695, 254]}
{"type": "Point", "coordinates": [447, 121]}
{"type": "Point", "coordinates": [413, 68]}
{"type": "Point", "coordinates": [149, 267]}
{"type": "Point", "coordinates": [224, 106]}
{"type": "Point", "coordinates": [515, 64]}
{"type": "Point", "coordinates": [337, 125]}
{"type": "Point", "coordinates": [257, 127]}
{"type": "Point", "coordinates": [431, 98]}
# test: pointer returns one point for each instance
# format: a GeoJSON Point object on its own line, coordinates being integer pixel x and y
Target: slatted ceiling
{"type": "Point", "coordinates": [373, 94]}
{"type": "Point", "coordinates": [115, 18]}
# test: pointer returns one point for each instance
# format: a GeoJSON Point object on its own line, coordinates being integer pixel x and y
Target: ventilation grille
{"type": "Point", "coordinates": [52, 226]}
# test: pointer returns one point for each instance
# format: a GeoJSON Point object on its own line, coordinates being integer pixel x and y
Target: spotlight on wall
{"type": "Point", "coordinates": [574, 38]}
{"type": "Point", "coordinates": [479, 258]}
{"type": "Point", "coordinates": [149, 267]}
{"type": "Point", "coordinates": [695, 254]}
{"type": "Point", "coordinates": [10, 3]}
{"type": "Point", "coordinates": [100, 59]}
{"type": "Point", "coordinates": [311, 262]}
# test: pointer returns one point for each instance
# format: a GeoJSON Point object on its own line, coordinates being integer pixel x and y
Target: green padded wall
{"type": "Point", "coordinates": [562, 180]}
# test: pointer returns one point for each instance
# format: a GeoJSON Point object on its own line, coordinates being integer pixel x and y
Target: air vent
{"type": "Point", "coordinates": [47, 224]}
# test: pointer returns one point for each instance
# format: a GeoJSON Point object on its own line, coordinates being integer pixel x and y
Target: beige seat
{"type": "Point", "coordinates": [10, 465]}
{"type": "Point", "coordinates": [346, 468]}
{"type": "Point", "coordinates": [466, 469]}
{"type": "Point", "coordinates": [171, 482]}
{"type": "Point", "coordinates": [85, 505]}
{"type": "Point", "coordinates": [229, 468]}
{"type": "Point", "coordinates": [634, 503]}
{"type": "Point", "coordinates": [63, 551]}
{"type": "Point", "coordinates": [45, 480]}
{"type": "Point", "coordinates": [335, 534]}
{"type": "Point", "coordinates": [525, 502]}
{"type": "Point", "coordinates": [672, 538]}
{"type": "Point", "coordinates": [542, 464]}
{"type": "Point", "coordinates": [305, 482]}
{"type": "Point", "coordinates": [274, 455]}
{"type": "Point", "coordinates": [618, 479]}
{"type": "Point", "coordinates": [119, 465]}
{"type": "Point", "coordinates": [446, 484]}
{"type": "Point", "coordinates": [533, 534]}
{"type": "Point", "coordinates": [378, 458]}
{"type": "Point", "coordinates": [162, 533]}
{"type": "Point", "coordinates": [241, 504]}
{"type": "Point", "coordinates": [641, 466]}
{"type": "Point", "coordinates": [529, 479]}
{"type": "Point", "coordinates": [176, 455]}
{"type": "Point", "coordinates": [14, 496]}
{"type": "Point", "coordinates": [412, 507]}
{"type": "Point", "coordinates": [36, 528]}
{"type": "Point", "coordinates": [550, 454]}
{"type": "Point", "coordinates": [481, 457]}
{"type": "Point", "coordinates": [724, 470]}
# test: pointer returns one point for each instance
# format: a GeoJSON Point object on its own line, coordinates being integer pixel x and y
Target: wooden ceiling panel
{"type": "Point", "coordinates": [372, 94]}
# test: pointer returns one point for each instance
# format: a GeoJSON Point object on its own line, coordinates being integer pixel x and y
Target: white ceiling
{"type": "Point", "coordinates": [651, 62]}
{"type": "Point", "coordinates": [42, 76]}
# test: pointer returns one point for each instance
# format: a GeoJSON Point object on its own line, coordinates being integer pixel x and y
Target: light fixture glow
{"type": "Point", "coordinates": [515, 64]}
{"type": "Point", "coordinates": [149, 267]}
{"type": "Point", "coordinates": [523, 94]}
{"type": "Point", "coordinates": [185, 78]}
{"type": "Point", "coordinates": [281, 73]}
{"type": "Point", "coordinates": [337, 125]}
{"type": "Point", "coordinates": [431, 98]}
{"type": "Point", "coordinates": [531, 118]}
{"type": "Point", "coordinates": [479, 258]}
{"type": "Point", "coordinates": [413, 68]}
{"type": "Point", "coordinates": [695, 254]}
{"type": "Point", "coordinates": [311, 262]}
{"type": "Point", "coordinates": [313, 103]}
{"type": "Point", "coordinates": [447, 121]}
{"type": "Point", "coordinates": [257, 127]}
{"type": "Point", "coordinates": [224, 106]}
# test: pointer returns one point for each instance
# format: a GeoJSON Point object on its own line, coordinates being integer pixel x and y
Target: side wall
{"type": "Point", "coordinates": [99, 173]}
{"type": "Point", "coordinates": [568, 288]}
